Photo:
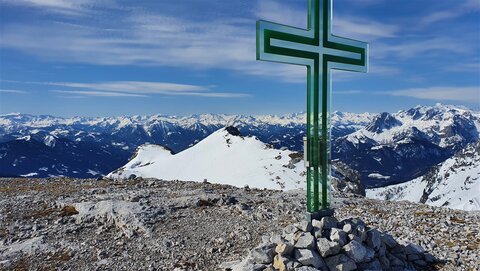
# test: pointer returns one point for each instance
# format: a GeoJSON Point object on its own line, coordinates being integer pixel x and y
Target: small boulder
{"type": "Point", "coordinates": [280, 263]}
{"type": "Point", "coordinates": [289, 229]}
{"type": "Point", "coordinates": [338, 236]}
{"type": "Point", "coordinates": [306, 240]}
{"type": "Point", "coordinates": [356, 251]}
{"type": "Point", "coordinates": [371, 266]}
{"type": "Point", "coordinates": [328, 222]}
{"type": "Point", "coordinates": [309, 257]}
{"type": "Point", "coordinates": [373, 239]}
{"type": "Point", "coordinates": [388, 240]}
{"type": "Point", "coordinates": [284, 248]}
{"type": "Point", "coordinates": [304, 226]}
{"type": "Point", "coordinates": [340, 262]}
{"type": "Point", "coordinates": [327, 248]}
{"type": "Point", "coordinates": [263, 254]}
{"type": "Point", "coordinates": [348, 228]}
{"type": "Point", "coordinates": [414, 249]}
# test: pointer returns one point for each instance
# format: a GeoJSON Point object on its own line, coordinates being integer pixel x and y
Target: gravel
{"type": "Point", "coordinates": [144, 224]}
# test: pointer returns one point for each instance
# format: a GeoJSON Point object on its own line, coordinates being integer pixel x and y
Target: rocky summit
{"type": "Point", "coordinates": [332, 245]}
{"type": "Point", "coordinates": [150, 224]}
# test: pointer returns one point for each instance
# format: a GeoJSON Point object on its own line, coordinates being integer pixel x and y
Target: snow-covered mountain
{"type": "Point", "coordinates": [223, 157]}
{"type": "Point", "coordinates": [454, 183]}
{"type": "Point", "coordinates": [178, 133]}
{"type": "Point", "coordinates": [394, 148]}
{"type": "Point", "coordinates": [385, 148]}
{"type": "Point", "coordinates": [227, 157]}
{"type": "Point", "coordinates": [87, 139]}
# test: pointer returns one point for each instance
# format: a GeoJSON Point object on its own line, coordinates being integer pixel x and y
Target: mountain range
{"type": "Point", "coordinates": [384, 148]}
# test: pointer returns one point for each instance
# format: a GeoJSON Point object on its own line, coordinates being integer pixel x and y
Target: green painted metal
{"type": "Point", "coordinates": [320, 51]}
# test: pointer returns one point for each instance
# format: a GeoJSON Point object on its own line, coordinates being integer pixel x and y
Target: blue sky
{"type": "Point", "coordinates": [112, 57]}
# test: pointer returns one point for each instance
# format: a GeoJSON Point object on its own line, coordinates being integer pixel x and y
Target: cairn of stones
{"type": "Point", "coordinates": [330, 245]}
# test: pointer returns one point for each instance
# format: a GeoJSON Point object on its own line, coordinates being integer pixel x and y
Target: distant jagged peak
{"type": "Point", "coordinates": [384, 121]}
{"type": "Point", "coordinates": [436, 112]}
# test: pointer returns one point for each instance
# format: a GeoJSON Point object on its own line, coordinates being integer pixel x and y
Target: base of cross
{"type": "Point", "coordinates": [318, 214]}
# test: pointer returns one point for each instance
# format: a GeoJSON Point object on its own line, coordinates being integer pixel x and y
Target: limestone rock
{"type": "Point", "coordinates": [305, 226]}
{"type": "Point", "coordinates": [284, 248]}
{"type": "Point", "coordinates": [340, 262]}
{"type": "Point", "coordinates": [306, 240]}
{"type": "Point", "coordinates": [373, 239]}
{"type": "Point", "coordinates": [388, 240]}
{"type": "Point", "coordinates": [348, 228]}
{"type": "Point", "coordinates": [327, 248]}
{"type": "Point", "coordinates": [263, 254]}
{"type": "Point", "coordinates": [280, 263]}
{"type": "Point", "coordinates": [356, 251]}
{"type": "Point", "coordinates": [328, 222]}
{"type": "Point", "coordinates": [338, 236]}
{"type": "Point", "coordinates": [371, 266]}
{"type": "Point", "coordinates": [309, 257]}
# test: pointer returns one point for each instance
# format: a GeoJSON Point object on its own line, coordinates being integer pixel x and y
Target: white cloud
{"type": "Point", "coordinates": [139, 87]}
{"type": "Point", "coordinates": [363, 29]}
{"type": "Point", "coordinates": [457, 10]}
{"type": "Point", "coordinates": [143, 41]}
{"type": "Point", "coordinates": [148, 38]}
{"type": "Point", "coordinates": [135, 89]}
{"type": "Point", "coordinates": [14, 91]}
{"type": "Point", "coordinates": [152, 39]}
{"type": "Point", "coordinates": [79, 93]}
{"type": "Point", "coordinates": [348, 26]}
{"type": "Point", "coordinates": [278, 12]}
{"type": "Point", "coordinates": [65, 7]}
{"type": "Point", "coordinates": [465, 67]}
{"type": "Point", "coordinates": [461, 94]}
{"type": "Point", "coordinates": [418, 48]}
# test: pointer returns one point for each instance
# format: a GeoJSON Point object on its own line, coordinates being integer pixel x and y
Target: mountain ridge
{"type": "Point", "coordinates": [227, 157]}
{"type": "Point", "coordinates": [388, 155]}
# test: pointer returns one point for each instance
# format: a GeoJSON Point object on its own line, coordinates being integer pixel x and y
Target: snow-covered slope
{"type": "Point", "coordinates": [226, 157]}
{"type": "Point", "coordinates": [454, 183]}
{"type": "Point", "coordinates": [394, 148]}
{"type": "Point", "coordinates": [220, 158]}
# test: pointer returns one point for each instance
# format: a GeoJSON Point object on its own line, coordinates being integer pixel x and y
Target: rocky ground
{"type": "Point", "coordinates": [72, 224]}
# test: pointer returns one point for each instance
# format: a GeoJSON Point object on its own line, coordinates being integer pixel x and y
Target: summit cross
{"type": "Point", "coordinates": [320, 51]}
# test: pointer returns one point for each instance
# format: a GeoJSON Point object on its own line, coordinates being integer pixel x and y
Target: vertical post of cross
{"type": "Point", "coordinates": [320, 51]}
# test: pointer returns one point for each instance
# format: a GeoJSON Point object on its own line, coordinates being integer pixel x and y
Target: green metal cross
{"type": "Point", "coordinates": [320, 51]}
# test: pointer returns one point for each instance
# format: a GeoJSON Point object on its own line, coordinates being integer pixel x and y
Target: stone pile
{"type": "Point", "coordinates": [336, 246]}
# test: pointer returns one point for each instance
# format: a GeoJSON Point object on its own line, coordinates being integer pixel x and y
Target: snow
{"type": "Point", "coordinates": [26, 138]}
{"type": "Point", "coordinates": [50, 141]}
{"type": "Point", "coordinates": [31, 174]}
{"type": "Point", "coordinates": [93, 172]}
{"type": "Point", "coordinates": [456, 184]}
{"type": "Point", "coordinates": [430, 121]}
{"type": "Point", "coordinates": [378, 176]}
{"type": "Point", "coordinates": [219, 158]}
{"type": "Point", "coordinates": [11, 121]}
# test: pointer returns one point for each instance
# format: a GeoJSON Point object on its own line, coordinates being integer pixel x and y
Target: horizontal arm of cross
{"type": "Point", "coordinates": [291, 45]}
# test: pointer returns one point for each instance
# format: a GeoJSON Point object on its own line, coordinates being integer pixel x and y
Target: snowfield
{"type": "Point", "coordinates": [220, 158]}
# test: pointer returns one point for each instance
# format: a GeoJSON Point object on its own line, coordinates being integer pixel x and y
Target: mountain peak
{"type": "Point", "coordinates": [233, 130]}
{"type": "Point", "coordinates": [384, 121]}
